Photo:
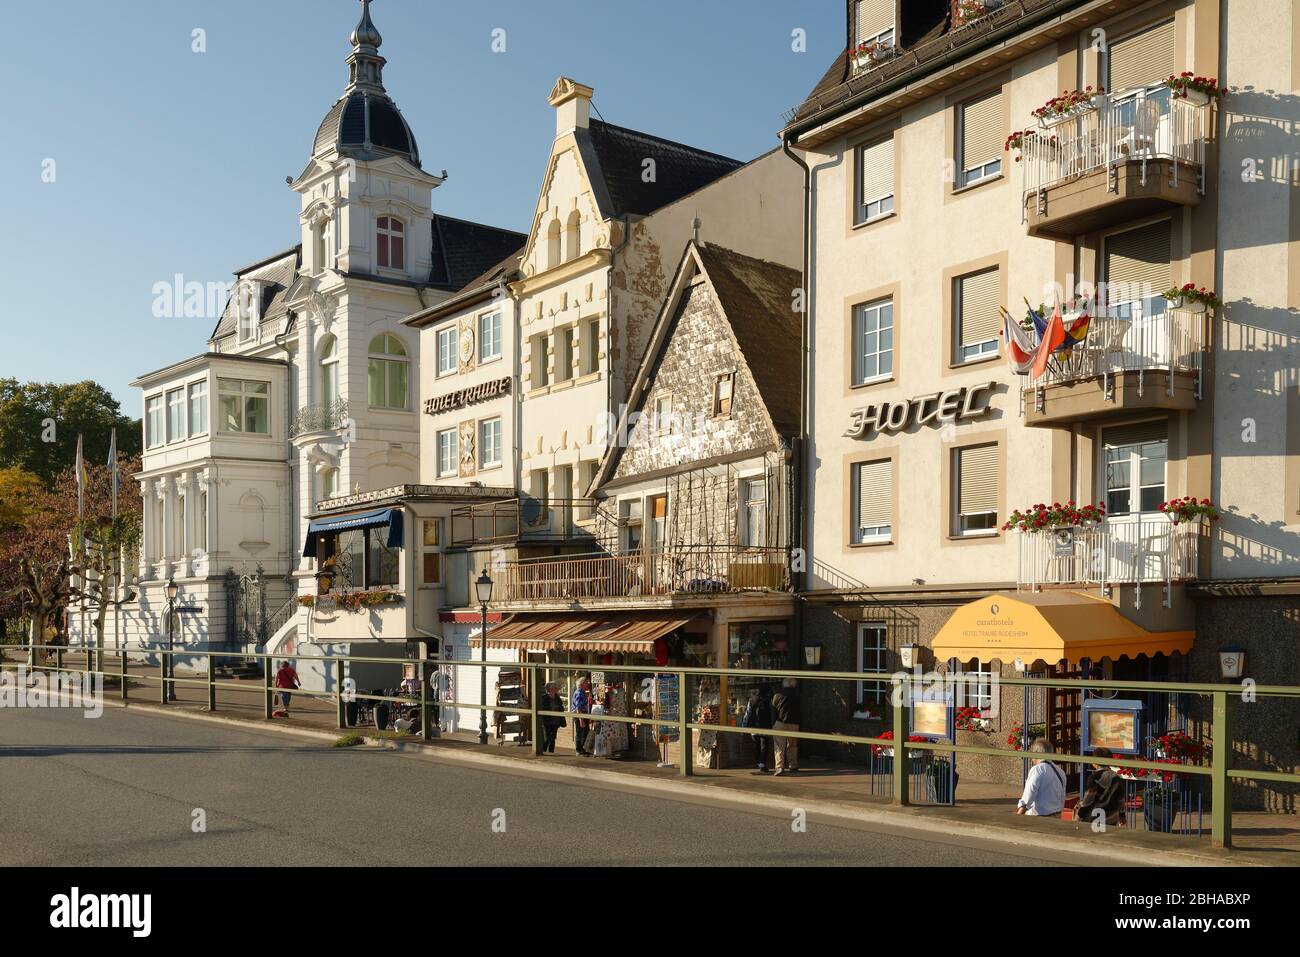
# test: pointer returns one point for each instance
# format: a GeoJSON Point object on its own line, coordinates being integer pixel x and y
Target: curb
{"type": "Point", "coordinates": [900, 818]}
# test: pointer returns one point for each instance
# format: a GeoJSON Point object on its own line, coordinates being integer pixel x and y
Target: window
{"type": "Point", "coordinates": [246, 303]}
{"type": "Point", "coordinates": [564, 354]}
{"type": "Point", "coordinates": [383, 563]}
{"type": "Point", "coordinates": [974, 680]}
{"type": "Point", "coordinates": [872, 658]}
{"type": "Point", "coordinates": [572, 236]}
{"type": "Point", "coordinates": [663, 418]}
{"type": "Point", "coordinates": [431, 539]}
{"type": "Point", "coordinates": [979, 139]}
{"type": "Point", "coordinates": [448, 350]}
{"type": "Point", "coordinates": [629, 517]}
{"type": "Point", "coordinates": [1137, 273]}
{"type": "Point", "coordinates": [388, 373]}
{"type": "Point", "coordinates": [390, 239]}
{"type": "Point", "coordinates": [587, 477]}
{"type": "Point", "coordinates": [723, 389]}
{"type": "Point", "coordinates": [329, 372]}
{"type": "Point", "coordinates": [489, 338]}
{"type": "Point", "coordinates": [244, 406]}
{"type": "Point", "coordinates": [153, 421]}
{"type": "Point", "coordinates": [1135, 461]}
{"type": "Point", "coordinates": [198, 408]}
{"type": "Point", "coordinates": [448, 464]}
{"type": "Point", "coordinates": [541, 376]}
{"type": "Point", "coordinates": [978, 319]}
{"type": "Point", "coordinates": [875, 180]}
{"type": "Point", "coordinates": [591, 347]}
{"type": "Point", "coordinates": [363, 559]}
{"type": "Point", "coordinates": [976, 482]}
{"type": "Point", "coordinates": [873, 341]}
{"type": "Point", "coordinates": [872, 501]}
{"type": "Point", "coordinates": [1141, 60]}
{"type": "Point", "coordinates": [175, 415]}
{"type": "Point", "coordinates": [320, 235]}
{"type": "Point", "coordinates": [753, 512]}
{"type": "Point", "coordinates": [553, 244]}
{"type": "Point", "coordinates": [873, 20]}
{"type": "Point", "coordinates": [489, 443]}
{"type": "Point", "coordinates": [329, 482]}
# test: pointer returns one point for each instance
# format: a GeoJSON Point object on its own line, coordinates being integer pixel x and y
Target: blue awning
{"type": "Point", "coordinates": [375, 518]}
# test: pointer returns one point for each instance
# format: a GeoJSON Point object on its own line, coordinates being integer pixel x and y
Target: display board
{"type": "Point", "coordinates": [1114, 725]}
{"type": "Point", "coordinates": [667, 706]}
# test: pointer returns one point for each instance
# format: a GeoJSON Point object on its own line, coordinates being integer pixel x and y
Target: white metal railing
{"type": "Point", "coordinates": [1137, 127]}
{"type": "Point", "coordinates": [1123, 550]}
{"type": "Point", "coordinates": [1132, 339]}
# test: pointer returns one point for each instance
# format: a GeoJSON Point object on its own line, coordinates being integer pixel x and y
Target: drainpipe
{"type": "Point", "coordinates": [609, 317]}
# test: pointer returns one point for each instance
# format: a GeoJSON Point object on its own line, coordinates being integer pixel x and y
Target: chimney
{"type": "Point", "coordinates": [572, 102]}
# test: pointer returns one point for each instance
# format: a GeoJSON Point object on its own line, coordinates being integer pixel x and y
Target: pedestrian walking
{"type": "Point", "coordinates": [286, 681]}
{"type": "Point", "coordinates": [581, 705]}
{"type": "Point", "coordinates": [785, 712]}
{"type": "Point", "coordinates": [758, 715]}
{"type": "Point", "coordinates": [551, 724]}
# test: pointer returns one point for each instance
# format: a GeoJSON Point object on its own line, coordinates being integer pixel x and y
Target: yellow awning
{"type": "Point", "coordinates": [1049, 626]}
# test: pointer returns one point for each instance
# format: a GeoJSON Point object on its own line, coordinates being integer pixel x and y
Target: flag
{"type": "Point", "coordinates": [1016, 343]}
{"type": "Point", "coordinates": [112, 468]}
{"type": "Point", "coordinates": [1053, 336]}
{"type": "Point", "coordinates": [1038, 319]}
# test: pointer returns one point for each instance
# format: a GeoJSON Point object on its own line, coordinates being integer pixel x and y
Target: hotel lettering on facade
{"type": "Point", "coordinates": [926, 219]}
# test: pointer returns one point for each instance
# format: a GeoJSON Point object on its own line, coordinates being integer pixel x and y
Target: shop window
{"type": "Point", "coordinates": [977, 315]}
{"type": "Point", "coordinates": [875, 180]}
{"type": "Point", "coordinates": [873, 501]}
{"type": "Point", "coordinates": [754, 645]}
{"type": "Point", "coordinates": [873, 341]}
{"type": "Point", "coordinates": [975, 479]}
{"type": "Point", "coordinates": [871, 659]}
{"type": "Point", "coordinates": [979, 139]}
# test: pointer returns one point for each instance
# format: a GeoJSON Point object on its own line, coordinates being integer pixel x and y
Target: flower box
{"type": "Point", "coordinates": [1070, 105]}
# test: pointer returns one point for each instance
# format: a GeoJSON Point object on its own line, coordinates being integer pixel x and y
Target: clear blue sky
{"type": "Point", "coordinates": [170, 161]}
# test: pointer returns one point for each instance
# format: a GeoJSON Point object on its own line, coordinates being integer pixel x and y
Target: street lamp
{"type": "Point", "coordinates": [483, 588]}
{"type": "Point", "coordinates": [172, 589]}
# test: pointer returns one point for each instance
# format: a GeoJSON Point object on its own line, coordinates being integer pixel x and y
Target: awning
{"type": "Point", "coordinates": [631, 633]}
{"type": "Point", "coordinates": [375, 518]}
{"type": "Point", "coordinates": [1049, 626]}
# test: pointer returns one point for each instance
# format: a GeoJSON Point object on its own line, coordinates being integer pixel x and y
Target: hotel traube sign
{"type": "Point", "coordinates": [463, 397]}
{"type": "Point", "coordinates": [968, 402]}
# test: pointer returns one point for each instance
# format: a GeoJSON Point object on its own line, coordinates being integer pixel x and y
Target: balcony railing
{"type": "Point", "coordinates": [508, 520]}
{"type": "Point", "coordinates": [705, 569]}
{"type": "Point", "coordinates": [1146, 126]}
{"type": "Point", "coordinates": [1173, 341]}
{"type": "Point", "coordinates": [319, 418]}
{"type": "Point", "coordinates": [1122, 551]}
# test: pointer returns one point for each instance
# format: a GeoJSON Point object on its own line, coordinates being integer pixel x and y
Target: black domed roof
{"type": "Point", "coordinates": [364, 122]}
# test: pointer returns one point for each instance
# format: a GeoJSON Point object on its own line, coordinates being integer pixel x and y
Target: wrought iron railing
{"type": "Point", "coordinates": [325, 417]}
{"type": "Point", "coordinates": [1122, 550]}
{"type": "Point", "coordinates": [691, 569]}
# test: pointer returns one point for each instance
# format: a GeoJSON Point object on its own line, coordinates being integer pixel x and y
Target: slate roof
{"type": "Point", "coordinates": [757, 299]}
{"type": "Point", "coordinates": [279, 272]}
{"type": "Point", "coordinates": [363, 118]}
{"type": "Point", "coordinates": [679, 169]}
{"type": "Point", "coordinates": [463, 251]}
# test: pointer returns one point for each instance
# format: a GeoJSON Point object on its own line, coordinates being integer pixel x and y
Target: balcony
{"type": "Point", "coordinates": [1131, 360]}
{"type": "Point", "coordinates": [1127, 157]}
{"type": "Point", "coordinates": [327, 417]}
{"type": "Point", "coordinates": [526, 519]}
{"type": "Point", "coordinates": [684, 570]}
{"type": "Point", "coordinates": [1125, 550]}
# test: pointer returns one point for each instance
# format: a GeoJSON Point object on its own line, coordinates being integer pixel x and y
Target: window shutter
{"type": "Point", "coordinates": [977, 475]}
{"type": "Point", "coordinates": [877, 161]}
{"type": "Point", "coordinates": [980, 319]}
{"type": "Point", "coordinates": [1138, 260]}
{"type": "Point", "coordinates": [874, 17]}
{"type": "Point", "coordinates": [1142, 59]}
{"type": "Point", "coordinates": [980, 131]}
{"type": "Point", "coordinates": [875, 493]}
{"type": "Point", "coordinates": [1139, 434]}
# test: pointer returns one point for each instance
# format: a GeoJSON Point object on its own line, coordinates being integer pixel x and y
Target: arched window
{"type": "Point", "coordinates": [572, 237]}
{"type": "Point", "coordinates": [329, 371]}
{"type": "Point", "coordinates": [553, 244]}
{"type": "Point", "coordinates": [389, 373]}
{"type": "Point", "coordinates": [390, 241]}
{"type": "Point", "coordinates": [320, 234]}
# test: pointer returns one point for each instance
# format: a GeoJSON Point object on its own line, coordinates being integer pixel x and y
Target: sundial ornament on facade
{"type": "Point", "coordinates": [954, 405]}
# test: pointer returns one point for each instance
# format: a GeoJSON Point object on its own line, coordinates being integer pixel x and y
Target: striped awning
{"type": "Point", "coordinates": [632, 633]}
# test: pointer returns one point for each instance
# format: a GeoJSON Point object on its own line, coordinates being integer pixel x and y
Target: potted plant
{"type": "Point", "coordinates": [1189, 509]}
{"type": "Point", "coordinates": [873, 52]}
{"type": "Point", "coordinates": [1197, 90]}
{"type": "Point", "coordinates": [1069, 104]}
{"type": "Point", "coordinates": [325, 575]}
{"type": "Point", "coordinates": [968, 11]}
{"type": "Point", "coordinates": [1041, 517]}
{"type": "Point", "coordinates": [1182, 747]}
{"type": "Point", "coordinates": [973, 719]}
{"type": "Point", "coordinates": [883, 751]}
{"type": "Point", "coordinates": [1017, 736]}
{"type": "Point", "coordinates": [868, 712]}
{"type": "Point", "coordinates": [1193, 298]}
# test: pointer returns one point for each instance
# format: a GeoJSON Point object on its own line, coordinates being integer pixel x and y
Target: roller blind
{"type": "Point", "coordinates": [873, 17]}
{"type": "Point", "coordinates": [877, 161]}
{"type": "Point", "coordinates": [981, 131]}
{"type": "Point", "coordinates": [1137, 263]}
{"type": "Point", "coordinates": [1139, 434]}
{"type": "Point", "coordinates": [979, 316]}
{"type": "Point", "coordinates": [1142, 59]}
{"type": "Point", "coordinates": [977, 476]}
{"type": "Point", "coordinates": [875, 493]}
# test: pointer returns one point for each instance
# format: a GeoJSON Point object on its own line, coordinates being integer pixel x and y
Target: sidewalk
{"type": "Point", "coordinates": [983, 810]}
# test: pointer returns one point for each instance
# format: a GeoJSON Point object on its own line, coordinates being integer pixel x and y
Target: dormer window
{"type": "Point", "coordinates": [873, 29]}
{"type": "Point", "coordinates": [390, 242]}
{"type": "Point", "coordinates": [248, 308]}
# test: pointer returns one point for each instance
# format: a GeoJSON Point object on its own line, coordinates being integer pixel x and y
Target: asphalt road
{"type": "Point", "coordinates": [123, 789]}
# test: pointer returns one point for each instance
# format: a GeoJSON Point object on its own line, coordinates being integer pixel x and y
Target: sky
{"type": "Point", "coordinates": [129, 157]}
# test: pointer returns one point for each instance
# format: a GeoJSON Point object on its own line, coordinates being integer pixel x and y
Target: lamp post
{"type": "Point", "coordinates": [172, 589]}
{"type": "Point", "coordinates": [483, 587]}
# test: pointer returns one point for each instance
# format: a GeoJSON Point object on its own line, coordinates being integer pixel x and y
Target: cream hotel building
{"type": "Point", "coordinates": [921, 441]}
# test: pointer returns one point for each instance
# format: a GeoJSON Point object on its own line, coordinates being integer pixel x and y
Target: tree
{"type": "Point", "coordinates": [40, 422]}
{"type": "Point", "coordinates": [18, 490]}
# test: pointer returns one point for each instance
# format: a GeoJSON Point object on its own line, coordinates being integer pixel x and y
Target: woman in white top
{"type": "Point", "coordinates": [1044, 793]}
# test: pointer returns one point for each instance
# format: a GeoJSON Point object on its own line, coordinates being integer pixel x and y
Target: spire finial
{"type": "Point", "coordinates": [364, 33]}
{"type": "Point", "coordinates": [365, 65]}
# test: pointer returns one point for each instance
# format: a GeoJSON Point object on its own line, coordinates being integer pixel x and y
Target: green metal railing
{"type": "Point", "coordinates": [1224, 698]}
